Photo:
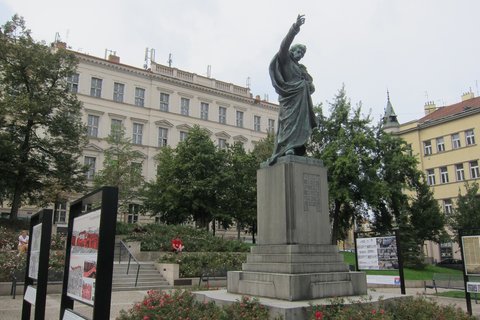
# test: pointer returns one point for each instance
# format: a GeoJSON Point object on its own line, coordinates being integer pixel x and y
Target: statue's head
{"type": "Point", "coordinates": [297, 51]}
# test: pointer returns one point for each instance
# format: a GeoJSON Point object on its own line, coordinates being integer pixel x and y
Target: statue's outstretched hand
{"type": "Point", "coordinates": [300, 20]}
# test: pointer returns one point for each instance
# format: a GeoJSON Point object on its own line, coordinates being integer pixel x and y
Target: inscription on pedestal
{"type": "Point", "coordinates": [311, 192]}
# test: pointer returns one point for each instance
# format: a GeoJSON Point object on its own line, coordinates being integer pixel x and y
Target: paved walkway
{"type": "Point", "coordinates": [11, 309]}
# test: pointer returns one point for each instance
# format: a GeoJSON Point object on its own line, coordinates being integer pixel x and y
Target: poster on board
{"type": "Point", "coordinates": [377, 253]}
{"type": "Point", "coordinates": [35, 251]}
{"type": "Point", "coordinates": [471, 254]}
{"type": "Point", "coordinates": [83, 257]}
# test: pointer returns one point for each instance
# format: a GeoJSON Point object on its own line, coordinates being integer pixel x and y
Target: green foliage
{"type": "Point", "coordinates": [193, 264]}
{"type": "Point", "coordinates": [122, 168]}
{"type": "Point", "coordinates": [345, 143]}
{"type": "Point", "coordinates": [407, 308]}
{"type": "Point", "coordinates": [182, 305]}
{"type": "Point", "coordinates": [157, 237]}
{"type": "Point", "coordinates": [41, 132]}
{"type": "Point", "coordinates": [467, 212]}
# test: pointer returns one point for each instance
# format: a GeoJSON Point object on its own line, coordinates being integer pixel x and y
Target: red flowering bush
{"type": "Point", "coordinates": [407, 308]}
{"type": "Point", "coordinates": [247, 308]}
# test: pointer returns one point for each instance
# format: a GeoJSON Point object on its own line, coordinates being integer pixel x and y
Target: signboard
{"type": "Point", "coordinates": [473, 287]}
{"type": "Point", "coordinates": [471, 255]}
{"type": "Point", "coordinates": [35, 251]}
{"type": "Point", "coordinates": [377, 253]}
{"type": "Point", "coordinates": [376, 279]}
{"type": "Point", "coordinates": [83, 257]}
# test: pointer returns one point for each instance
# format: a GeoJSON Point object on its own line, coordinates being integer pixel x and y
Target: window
{"type": "Point", "coordinates": [60, 214]}
{"type": "Point", "coordinates": [162, 137]}
{"type": "Point", "coordinates": [440, 144]}
{"type": "Point", "coordinates": [72, 83]}
{"type": "Point", "coordinates": [92, 125]}
{"type": "Point", "coordinates": [90, 164]}
{"type": "Point", "coordinates": [133, 210]}
{"type": "Point", "coordinates": [222, 143]}
{"type": "Point", "coordinates": [137, 133]}
{"type": "Point", "coordinates": [460, 173]}
{"type": "Point", "coordinates": [446, 250]}
{"type": "Point", "coordinates": [96, 88]}
{"type": "Point", "coordinates": [456, 141]}
{"type": "Point", "coordinates": [240, 119]}
{"type": "Point", "coordinates": [470, 137]}
{"type": "Point", "coordinates": [256, 123]}
{"type": "Point", "coordinates": [222, 115]}
{"type": "Point", "coordinates": [431, 177]}
{"type": "Point", "coordinates": [443, 175]}
{"type": "Point", "coordinates": [427, 147]}
{"type": "Point", "coordinates": [447, 206]}
{"type": "Point", "coordinates": [474, 173]}
{"type": "Point", "coordinates": [184, 106]}
{"type": "Point", "coordinates": [183, 135]}
{"type": "Point", "coordinates": [139, 97]}
{"type": "Point", "coordinates": [271, 125]}
{"type": "Point", "coordinates": [118, 91]}
{"type": "Point", "coordinates": [204, 111]}
{"type": "Point", "coordinates": [164, 101]}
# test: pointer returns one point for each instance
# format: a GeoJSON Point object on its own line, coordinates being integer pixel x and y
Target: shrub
{"type": "Point", "coordinates": [182, 305]}
{"type": "Point", "coordinates": [407, 308]}
{"type": "Point", "coordinates": [192, 264]}
{"type": "Point", "coordinates": [8, 239]}
{"type": "Point", "coordinates": [157, 237]}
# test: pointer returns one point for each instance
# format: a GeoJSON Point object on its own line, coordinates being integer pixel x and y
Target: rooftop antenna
{"type": "Point", "coordinates": [57, 37]}
{"type": "Point", "coordinates": [149, 58]}
{"type": "Point", "coordinates": [209, 71]}
{"type": "Point", "coordinates": [248, 82]}
{"type": "Point", "coordinates": [169, 61]}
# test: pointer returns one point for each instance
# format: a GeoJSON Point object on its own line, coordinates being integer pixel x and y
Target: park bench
{"type": "Point", "coordinates": [212, 274]}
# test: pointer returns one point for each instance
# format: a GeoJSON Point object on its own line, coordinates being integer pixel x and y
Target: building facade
{"type": "Point", "coordinates": [445, 142]}
{"type": "Point", "coordinates": [157, 107]}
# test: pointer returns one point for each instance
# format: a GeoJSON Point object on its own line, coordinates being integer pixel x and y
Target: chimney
{"type": "Point", "coordinates": [113, 58]}
{"type": "Point", "coordinates": [468, 95]}
{"type": "Point", "coordinates": [59, 45]}
{"type": "Point", "coordinates": [429, 107]}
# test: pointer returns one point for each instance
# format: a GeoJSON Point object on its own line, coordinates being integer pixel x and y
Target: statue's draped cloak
{"type": "Point", "coordinates": [296, 118]}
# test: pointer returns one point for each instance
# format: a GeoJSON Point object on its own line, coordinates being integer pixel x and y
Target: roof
{"type": "Point", "coordinates": [443, 112]}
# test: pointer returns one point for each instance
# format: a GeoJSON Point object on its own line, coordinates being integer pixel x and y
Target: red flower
{"type": "Point", "coordinates": [382, 311]}
{"type": "Point", "coordinates": [146, 318]}
{"type": "Point", "coordinates": [374, 311]}
{"type": "Point", "coordinates": [318, 315]}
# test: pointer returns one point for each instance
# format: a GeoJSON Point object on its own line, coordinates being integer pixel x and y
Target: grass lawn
{"type": "Point", "coordinates": [410, 274]}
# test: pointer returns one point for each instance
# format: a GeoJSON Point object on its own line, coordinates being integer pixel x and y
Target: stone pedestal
{"type": "Point", "coordinates": [294, 259]}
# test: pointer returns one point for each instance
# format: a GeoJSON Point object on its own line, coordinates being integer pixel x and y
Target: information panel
{"type": "Point", "coordinates": [377, 253]}
{"type": "Point", "coordinates": [83, 257]}
{"type": "Point", "coordinates": [35, 251]}
{"type": "Point", "coordinates": [471, 255]}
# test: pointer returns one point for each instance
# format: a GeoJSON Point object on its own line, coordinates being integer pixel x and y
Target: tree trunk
{"type": "Point", "coordinates": [336, 217]}
{"type": "Point", "coordinates": [214, 227]}
{"type": "Point", "coordinates": [238, 230]}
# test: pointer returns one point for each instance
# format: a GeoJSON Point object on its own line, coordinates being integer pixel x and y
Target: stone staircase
{"type": "Point", "coordinates": [148, 276]}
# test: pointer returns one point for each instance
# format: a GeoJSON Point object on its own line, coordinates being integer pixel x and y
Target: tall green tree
{"type": "Point", "coordinates": [467, 210]}
{"type": "Point", "coordinates": [122, 168]}
{"type": "Point", "coordinates": [189, 179]}
{"type": "Point", "coordinates": [41, 131]}
{"type": "Point", "coordinates": [345, 143]}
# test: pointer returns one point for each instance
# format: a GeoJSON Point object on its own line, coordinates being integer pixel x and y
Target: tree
{"type": "Point", "coordinates": [467, 212]}
{"type": "Point", "coordinates": [345, 143]}
{"type": "Point", "coordinates": [239, 201]}
{"type": "Point", "coordinates": [122, 168]}
{"type": "Point", "coordinates": [41, 129]}
{"type": "Point", "coordinates": [189, 179]}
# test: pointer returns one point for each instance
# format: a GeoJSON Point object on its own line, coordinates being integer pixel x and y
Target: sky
{"type": "Point", "coordinates": [418, 50]}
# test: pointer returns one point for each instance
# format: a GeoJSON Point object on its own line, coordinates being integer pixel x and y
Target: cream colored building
{"type": "Point", "coordinates": [445, 142]}
{"type": "Point", "coordinates": [157, 107]}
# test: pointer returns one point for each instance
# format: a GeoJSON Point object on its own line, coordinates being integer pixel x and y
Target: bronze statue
{"type": "Point", "coordinates": [294, 86]}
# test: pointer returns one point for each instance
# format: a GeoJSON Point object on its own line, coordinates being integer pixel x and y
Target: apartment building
{"type": "Point", "coordinates": [158, 106]}
{"type": "Point", "coordinates": [445, 143]}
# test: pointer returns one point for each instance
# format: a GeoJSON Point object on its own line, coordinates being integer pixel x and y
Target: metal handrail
{"type": "Point", "coordinates": [130, 256]}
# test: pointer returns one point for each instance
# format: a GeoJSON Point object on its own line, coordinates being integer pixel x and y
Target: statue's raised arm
{"type": "Point", "coordinates": [294, 85]}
